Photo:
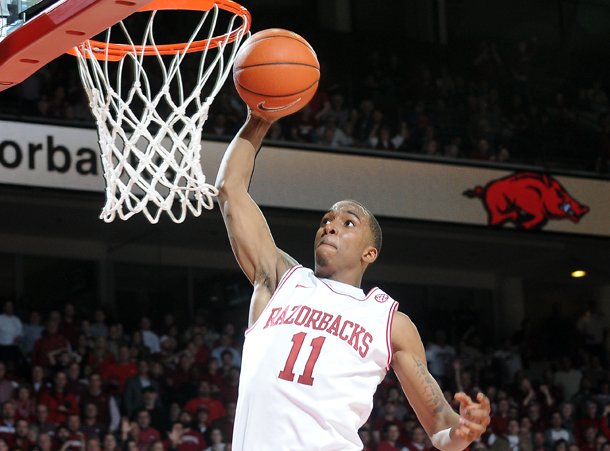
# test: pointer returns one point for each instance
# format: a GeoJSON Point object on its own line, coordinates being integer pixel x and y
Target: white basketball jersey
{"type": "Point", "coordinates": [311, 364]}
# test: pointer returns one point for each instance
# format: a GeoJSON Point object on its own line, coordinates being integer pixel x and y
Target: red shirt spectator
{"type": "Point", "coordinates": [229, 387]}
{"type": "Point", "coordinates": [589, 419]}
{"type": "Point", "coordinates": [6, 386]}
{"type": "Point", "coordinates": [215, 408]}
{"type": "Point", "coordinates": [499, 419]}
{"type": "Point", "coordinates": [100, 357]}
{"type": "Point", "coordinates": [146, 434]}
{"type": "Point", "coordinates": [184, 439]}
{"type": "Point", "coordinates": [391, 442]}
{"type": "Point", "coordinates": [213, 373]}
{"type": "Point", "coordinates": [588, 441]}
{"type": "Point", "coordinates": [51, 341]}
{"type": "Point", "coordinates": [69, 326]}
{"type": "Point", "coordinates": [388, 418]}
{"type": "Point", "coordinates": [25, 404]}
{"type": "Point", "coordinates": [117, 373]}
{"type": "Point", "coordinates": [59, 402]}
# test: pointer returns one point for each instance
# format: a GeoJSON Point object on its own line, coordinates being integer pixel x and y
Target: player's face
{"type": "Point", "coordinates": [343, 239]}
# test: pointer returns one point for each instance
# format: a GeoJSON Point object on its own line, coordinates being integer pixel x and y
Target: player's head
{"type": "Point", "coordinates": [348, 238]}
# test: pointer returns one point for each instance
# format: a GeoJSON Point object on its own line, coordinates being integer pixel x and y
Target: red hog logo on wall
{"type": "Point", "coordinates": [528, 200]}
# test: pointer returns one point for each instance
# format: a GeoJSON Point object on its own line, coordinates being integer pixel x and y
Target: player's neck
{"type": "Point", "coordinates": [348, 277]}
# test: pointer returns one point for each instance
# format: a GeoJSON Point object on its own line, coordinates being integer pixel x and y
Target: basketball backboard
{"type": "Point", "coordinates": [35, 32]}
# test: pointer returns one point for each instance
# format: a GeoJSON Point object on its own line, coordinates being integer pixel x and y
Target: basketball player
{"type": "Point", "coordinates": [317, 346]}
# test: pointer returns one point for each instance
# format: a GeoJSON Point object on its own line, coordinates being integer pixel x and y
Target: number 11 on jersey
{"type": "Point", "coordinates": [297, 343]}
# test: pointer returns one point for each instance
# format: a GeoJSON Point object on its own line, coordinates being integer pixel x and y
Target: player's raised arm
{"type": "Point", "coordinates": [448, 430]}
{"type": "Point", "coordinates": [259, 258]}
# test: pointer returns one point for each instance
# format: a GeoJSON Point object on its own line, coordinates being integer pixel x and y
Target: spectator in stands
{"type": "Point", "coordinates": [215, 408]}
{"type": "Point", "coordinates": [592, 325]}
{"type": "Point", "coordinates": [11, 333]}
{"type": "Point", "coordinates": [590, 419]}
{"type": "Point", "coordinates": [151, 339]}
{"type": "Point", "coordinates": [226, 424]}
{"type": "Point", "coordinates": [69, 326]}
{"type": "Point", "coordinates": [91, 426]}
{"type": "Point", "coordinates": [201, 423]}
{"type": "Point", "coordinates": [44, 442]}
{"type": "Point", "coordinates": [557, 432]}
{"type": "Point", "coordinates": [8, 421]}
{"type": "Point", "coordinates": [146, 433]}
{"type": "Point", "coordinates": [99, 327]}
{"type": "Point", "coordinates": [32, 331]}
{"type": "Point", "coordinates": [42, 420]}
{"type": "Point", "coordinates": [115, 338]}
{"type": "Point", "coordinates": [119, 372]}
{"type": "Point", "coordinates": [51, 341]}
{"type": "Point", "coordinates": [226, 344]}
{"type": "Point", "coordinates": [25, 404]}
{"type": "Point", "coordinates": [391, 443]}
{"type": "Point", "coordinates": [20, 438]}
{"type": "Point", "coordinates": [419, 440]}
{"type": "Point", "coordinates": [198, 349]}
{"type": "Point", "coordinates": [183, 438]}
{"type": "Point", "coordinates": [59, 402]}
{"type": "Point", "coordinates": [500, 417]}
{"type": "Point", "coordinates": [567, 378]}
{"type": "Point", "coordinates": [158, 414]}
{"type": "Point", "coordinates": [100, 356]}
{"type": "Point", "coordinates": [588, 439]}
{"type": "Point", "coordinates": [76, 437]}
{"type": "Point", "coordinates": [133, 397]}
{"type": "Point", "coordinates": [107, 410]}
{"type": "Point", "coordinates": [217, 441]}
{"type": "Point", "coordinates": [440, 356]}
{"type": "Point", "coordinates": [110, 443]}
{"type": "Point", "coordinates": [7, 387]}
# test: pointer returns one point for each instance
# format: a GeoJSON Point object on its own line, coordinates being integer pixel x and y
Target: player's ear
{"type": "Point", "coordinates": [370, 254]}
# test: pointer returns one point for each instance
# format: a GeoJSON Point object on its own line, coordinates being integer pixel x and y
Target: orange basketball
{"type": "Point", "coordinates": [276, 72]}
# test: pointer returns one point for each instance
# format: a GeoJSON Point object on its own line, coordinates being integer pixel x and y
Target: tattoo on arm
{"type": "Point", "coordinates": [432, 392]}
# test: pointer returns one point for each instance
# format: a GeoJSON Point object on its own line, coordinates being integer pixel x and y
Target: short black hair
{"type": "Point", "coordinates": [373, 225]}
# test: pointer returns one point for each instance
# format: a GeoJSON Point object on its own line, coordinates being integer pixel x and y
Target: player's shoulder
{"type": "Point", "coordinates": [403, 322]}
{"type": "Point", "coordinates": [404, 332]}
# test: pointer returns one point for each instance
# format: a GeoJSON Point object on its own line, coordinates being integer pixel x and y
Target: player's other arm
{"type": "Point", "coordinates": [259, 258]}
{"type": "Point", "coordinates": [448, 430]}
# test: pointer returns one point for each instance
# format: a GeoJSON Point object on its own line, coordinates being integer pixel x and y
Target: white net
{"type": "Point", "coordinates": [150, 111]}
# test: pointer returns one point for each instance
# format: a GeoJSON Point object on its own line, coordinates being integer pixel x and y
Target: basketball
{"type": "Point", "coordinates": [276, 72]}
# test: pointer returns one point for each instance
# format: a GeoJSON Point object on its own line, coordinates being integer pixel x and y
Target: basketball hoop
{"type": "Point", "coordinates": [149, 119]}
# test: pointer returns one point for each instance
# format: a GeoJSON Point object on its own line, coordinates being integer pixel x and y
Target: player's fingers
{"type": "Point", "coordinates": [463, 398]}
{"type": "Point", "coordinates": [484, 401]}
{"type": "Point", "coordinates": [467, 433]}
{"type": "Point", "coordinates": [478, 416]}
{"type": "Point", "coordinates": [471, 428]}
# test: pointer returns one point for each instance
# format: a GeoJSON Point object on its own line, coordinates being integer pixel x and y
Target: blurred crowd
{"type": "Point", "coordinates": [75, 382]}
{"type": "Point", "coordinates": [495, 105]}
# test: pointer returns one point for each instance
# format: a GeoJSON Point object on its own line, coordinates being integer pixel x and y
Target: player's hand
{"type": "Point", "coordinates": [474, 416]}
{"type": "Point", "coordinates": [256, 116]}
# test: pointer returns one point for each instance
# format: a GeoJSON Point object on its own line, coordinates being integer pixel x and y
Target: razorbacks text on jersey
{"type": "Point", "coordinates": [311, 364]}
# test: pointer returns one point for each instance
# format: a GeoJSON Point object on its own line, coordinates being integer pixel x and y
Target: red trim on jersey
{"type": "Point", "coordinates": [389, 334]}
{"type": "Point", "coordinates": [349, 295]}
{"type": "Point", "coordinates": [285, 277]}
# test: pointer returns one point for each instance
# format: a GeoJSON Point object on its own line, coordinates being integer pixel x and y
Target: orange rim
{"type": "Point", "coordinates": [116, 52]}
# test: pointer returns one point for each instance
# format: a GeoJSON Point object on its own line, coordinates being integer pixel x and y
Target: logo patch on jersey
{"type": "Point", "coordinates": [381, 297]}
